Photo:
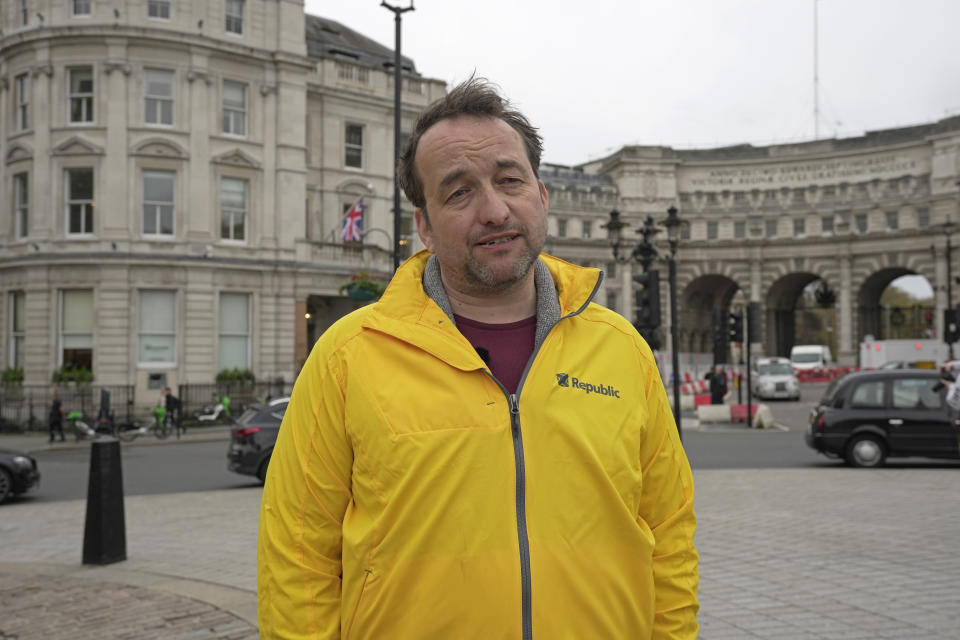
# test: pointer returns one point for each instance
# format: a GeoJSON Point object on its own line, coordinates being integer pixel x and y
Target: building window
{"type": "Point", "coordinates": [157, 327]}
{"type": "Point", "coordinates": [234, 344]}
{"type": "Point", "coordinates": [712, 231]}
{"type": "Point", "coordinates": [923, 218]}
{"type": "Point", "coordinates": [21, 204]}
{"type": "Point", "coordinates": [861, 222]}
{"type": "Point", "coordinates": [893, 221]}
{"type": "Point", "coordinates": [80, 201]}
{"type": "Point", "coordinates": [18, 323]}
{"type": "Point", "coordinates": [81, 94]}
{"type": "Point", "coordinates": [158, 97]}
{"type": "Point", "coordinates": [76, 328]}
{"type": "Point", "coordinates": [586, 229]}
{"type": "Point", "coordinates": [685, 232]}
{"type": "Point", "coordinates": [353, 72]}
{"type": "Point", "coordinates": [353, 157]}
{"type": "Point", "coordinates": [158, 202]}
{"type": "Point", "coordinates": [612, 300]}
{"type": "Point", "coordinates": [799, 227]}
{"type": "Point", "coordinates": [771, 228]}
{"type": "Point", "coordinates": [739, 230]}
{"type": "Point", "coordinates": [611, 270]}
{"type": "Point", "coordinates": [234, 108]}
{"type": "Point", "coordinates": [21, 91]}
{"type": "Point", "coordinates": [561, 228]}
{"type": "Point", "coordinates": [826, 225]}
{"type": "Point", "coordinates": [158, 9]}
{"type": "Point", "coordinates": [235, 16]}
{"type": "Point", "coordinates": [81, 7]}
{"type": "Point", "coordinates": [24, 12]}
{"type": "Point", "coordinates": [233, 209]}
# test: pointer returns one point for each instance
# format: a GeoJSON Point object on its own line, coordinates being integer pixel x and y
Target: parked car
{"type": "Point", "coordinates": [253, 436]}
{"type": "Point", "coordinates": [18, 474]}
{"type": "Point", "coordinates": [774, 378]}
{"type": "Point", "coordinates": [868, 416]}
{"type": "Point", "coordinates": [805, 357]}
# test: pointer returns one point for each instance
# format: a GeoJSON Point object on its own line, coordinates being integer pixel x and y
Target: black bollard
{"type": "Point", "coordinates": [104, 533]}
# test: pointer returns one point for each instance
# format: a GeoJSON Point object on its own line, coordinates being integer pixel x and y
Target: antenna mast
{"type": "Point", "coordinates": [816, 72]}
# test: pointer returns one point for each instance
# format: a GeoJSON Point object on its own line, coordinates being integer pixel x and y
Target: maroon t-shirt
{"type": "Point", "coordinates": [509, 346]}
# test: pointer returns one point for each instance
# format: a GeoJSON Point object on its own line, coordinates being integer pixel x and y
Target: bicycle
{"type": "Point", "coordinates": [161, 426]}
{"type": "Point", "coordinates": [81, 430]}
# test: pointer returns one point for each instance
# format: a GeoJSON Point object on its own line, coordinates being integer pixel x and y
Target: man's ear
{"type": "Point", "coordinates": [423, 228]}
{"type": "Point", "coordinates": [544, 196]}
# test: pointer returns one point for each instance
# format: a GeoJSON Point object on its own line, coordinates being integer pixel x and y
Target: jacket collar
{"type": "Point", "coordinates": [415, 300]}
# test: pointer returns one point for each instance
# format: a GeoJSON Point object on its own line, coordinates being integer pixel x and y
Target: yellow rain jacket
{"type": "Point", "coordinates": [410, 497]}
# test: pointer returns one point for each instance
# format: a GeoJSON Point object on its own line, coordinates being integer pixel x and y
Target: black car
{"type": "Point", "coordinates": [868, 416]}
{"type": "Point", "coordinates": [253, 436]}
{"type": "Point", "coordinates": [18, 473]}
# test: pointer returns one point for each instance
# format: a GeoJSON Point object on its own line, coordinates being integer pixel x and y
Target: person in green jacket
{"type": "Point", "coordinates": [484, 452]}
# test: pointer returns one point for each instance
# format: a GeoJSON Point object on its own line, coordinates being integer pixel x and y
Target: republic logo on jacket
{"type": "Point", "coordinates": [564, 380]}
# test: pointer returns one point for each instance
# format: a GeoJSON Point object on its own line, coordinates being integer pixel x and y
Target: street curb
{"type": "Point", "coordinates": [237, 602]}
{"type": "Point", "coordinates": [214, 434]}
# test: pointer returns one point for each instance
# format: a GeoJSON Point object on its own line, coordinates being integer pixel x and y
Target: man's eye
{"type": "Point", "coordinates": [456, 194]}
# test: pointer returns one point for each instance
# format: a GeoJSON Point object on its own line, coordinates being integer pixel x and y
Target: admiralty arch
{"type": "Point", "coordinates": [764, 222]}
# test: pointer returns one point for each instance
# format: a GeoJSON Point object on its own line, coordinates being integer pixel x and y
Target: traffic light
{"type": "Point", "coordinates": [648, 299]}
{"type": "Point", "coordinates": [755, 322]}
{"type": "Point", "coordinates": [951, 330]}
{"type": "Point", "coordinates": [719, 339]}
{"type": "Point", "coordinates": [736, 326]}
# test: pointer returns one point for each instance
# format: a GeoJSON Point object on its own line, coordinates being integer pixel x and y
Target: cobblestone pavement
{"type": "Point", "coordinates": [56, 606]}
{"type": "Point", "coordinates": [826, 553]}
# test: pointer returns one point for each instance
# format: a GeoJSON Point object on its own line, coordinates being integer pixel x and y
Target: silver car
{"type": "Point", "coordinates": [774, 378]}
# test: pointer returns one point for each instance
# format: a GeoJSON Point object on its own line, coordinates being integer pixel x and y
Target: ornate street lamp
{"type": "Point", "coordinates": [673, 223]}
{"type": "Point", "coordinates": [397, 84]}
{"type": "Point", "coordinates": [950, 317]}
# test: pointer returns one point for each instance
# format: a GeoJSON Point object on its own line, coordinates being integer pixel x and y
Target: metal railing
{"type": "Point", "coordinates": [27, 407]}
{"type": "Point", "coordinates": [197, 396]}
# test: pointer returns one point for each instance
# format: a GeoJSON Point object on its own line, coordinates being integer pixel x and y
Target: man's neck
{"type": "Point", "coordinates": [511, 305]}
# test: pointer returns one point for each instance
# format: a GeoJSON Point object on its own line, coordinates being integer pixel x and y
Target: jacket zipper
{"type": "Point", "coordinates": [526, 607]}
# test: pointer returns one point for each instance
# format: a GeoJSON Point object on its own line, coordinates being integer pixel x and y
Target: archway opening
{"type": "Point", "coordinates": [896, 304]}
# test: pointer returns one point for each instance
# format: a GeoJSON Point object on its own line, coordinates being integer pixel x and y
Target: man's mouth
{"type": "Point", "coordinates": [496, 241]}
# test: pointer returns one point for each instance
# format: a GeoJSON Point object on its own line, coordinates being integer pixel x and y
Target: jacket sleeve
{"type": "Point", "coordinates": [305, 496]}
{"type": "Point", "coordinates": [666, 505]}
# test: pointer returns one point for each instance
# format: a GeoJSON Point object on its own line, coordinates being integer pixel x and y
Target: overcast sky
{"type": "Point", "coordinates": [597, 75]}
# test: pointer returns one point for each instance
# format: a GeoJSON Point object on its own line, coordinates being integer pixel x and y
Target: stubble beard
{"type": "Point", "coordinates": [484, 279]}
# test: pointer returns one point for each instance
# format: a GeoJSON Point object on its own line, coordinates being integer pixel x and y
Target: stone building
{"type": "Point", "coordinates": [766, 222]}
{"type": "Point", "coordinates": [174, 175]}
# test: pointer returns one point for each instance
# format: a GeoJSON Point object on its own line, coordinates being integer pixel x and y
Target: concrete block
{"type": "Point", "coordinates": [713, 413]}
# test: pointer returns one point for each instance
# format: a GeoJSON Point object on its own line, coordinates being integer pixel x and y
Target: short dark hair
{"type": "Point", "coordinates": [473, 97]}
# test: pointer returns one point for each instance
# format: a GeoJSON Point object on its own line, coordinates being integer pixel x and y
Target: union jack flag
{"type": "Point", "coordinates": [352, 230]}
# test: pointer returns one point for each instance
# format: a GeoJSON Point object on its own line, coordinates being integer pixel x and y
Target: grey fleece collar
{"type": "Point", "coordinates": [548, 301]}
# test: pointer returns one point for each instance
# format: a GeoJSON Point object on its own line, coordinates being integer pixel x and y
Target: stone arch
{"type": "Point", "coordinates": [697, 301]}
{"type": "Point", "coordinates": [19, 151]}
{"type": "Point", "coordinates": [869, 313]}
{"type": "Point", "coordinates": [159, 148]}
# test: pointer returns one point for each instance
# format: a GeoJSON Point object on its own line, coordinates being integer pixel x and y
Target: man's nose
{"type": "Point", "coordinates": [494, 208]}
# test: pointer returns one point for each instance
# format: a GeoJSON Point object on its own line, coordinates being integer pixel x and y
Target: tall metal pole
{"type": "Point", "coordinates": [397, 86]}
{"type": "Point", "coordinates": [675, 337]}
{"type": "Point", "coordinates": [949, 281]}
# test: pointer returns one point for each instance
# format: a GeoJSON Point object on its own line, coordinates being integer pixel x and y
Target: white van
{"type": "Point", "coordinates": [804, 357]}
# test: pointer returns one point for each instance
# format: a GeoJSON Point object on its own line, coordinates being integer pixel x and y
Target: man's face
{"type": "Point", "coordinates": [487, 210]}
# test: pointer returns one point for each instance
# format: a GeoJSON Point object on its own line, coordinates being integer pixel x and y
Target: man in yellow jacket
{"type": "Point", "coordinates": [484, 452]}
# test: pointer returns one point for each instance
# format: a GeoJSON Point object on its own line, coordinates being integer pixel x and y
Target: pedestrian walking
{"type": "Point", "coordinates": [172, 405]}
{"type": "Point", "coordinates": [56, 417]}
{"type": "Point", "coordinates": [718, 385]}
{"type": "Point", "coordinates": [485, 452]}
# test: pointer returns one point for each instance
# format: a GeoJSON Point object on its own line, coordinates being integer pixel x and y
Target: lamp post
{"type": "Point", "coordinates": [643, 253]}
{"type": "Point", "coordinates": [397, 83]}
{"type": "Point", "coordinates": [949, 333]}
{"type": "Point", "coordinates": [673, 223]}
